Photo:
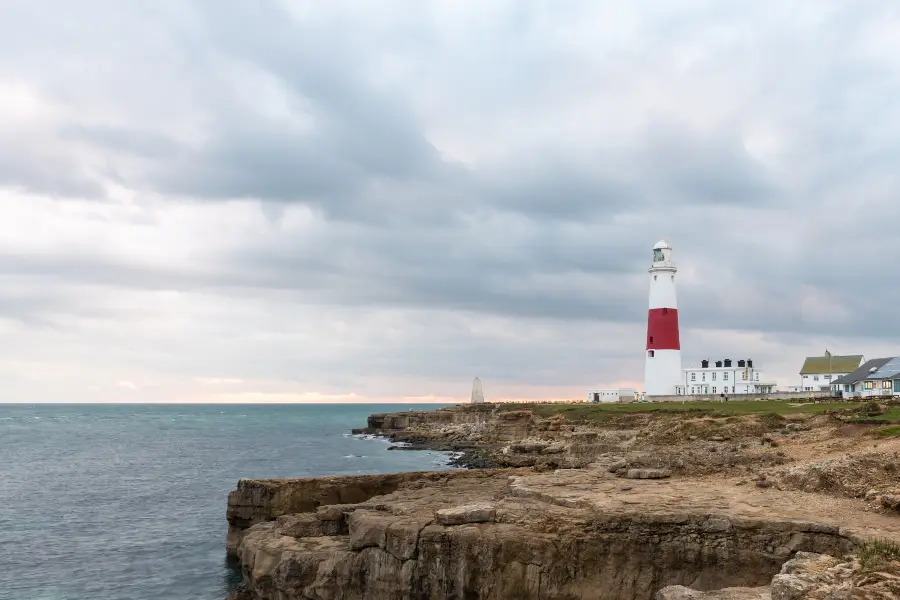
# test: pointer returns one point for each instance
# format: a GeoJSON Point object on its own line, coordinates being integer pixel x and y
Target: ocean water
{"type": "Point", "coordinates": [127, 502]}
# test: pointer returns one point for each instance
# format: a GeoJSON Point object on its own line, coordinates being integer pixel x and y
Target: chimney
{"type": "Point", "coordinates": [718, 363]}
{"type": "Point", "coordinates": [727, 362]}
{"type": "Point", "coordinates": [704, 364]}
{"type": "Point", "coordinates": [742, 363]}
{"type": "Point", "coordinates": [749, 363]}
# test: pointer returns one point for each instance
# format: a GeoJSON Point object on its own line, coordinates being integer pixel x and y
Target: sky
{"type": "Point", "coordinates": [303, 201]}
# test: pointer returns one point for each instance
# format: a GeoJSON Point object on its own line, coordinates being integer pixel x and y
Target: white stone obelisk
{"type": "Point", "coordinates": [477, 393]}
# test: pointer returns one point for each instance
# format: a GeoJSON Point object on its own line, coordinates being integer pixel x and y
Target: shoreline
{"type": "Point", "coordinates": [585, 501]}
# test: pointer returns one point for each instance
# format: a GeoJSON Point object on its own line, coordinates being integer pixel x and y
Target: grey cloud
{"type": "Point", "coordinates": [38, 171]}
{"type": "Point", "coordinates": [553, 229]}
{"type": "Point", "coordinates": [145, 144]}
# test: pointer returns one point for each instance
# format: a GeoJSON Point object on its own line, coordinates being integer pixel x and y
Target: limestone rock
{"type": "Point", "coordinates": [647, 473]}
{"type": "Point", "coordinates": [460, 515]}
{"type": "Point", "coordinates": [619, 465]}
{"type": "Point", "coordinates": [528, 447]}
{"type": "Point", "coordinates": [305, 525]}
{"type": "Point", "coordinates": [891, 501]}
{"type": "Point", "coordinates": [679, 592]}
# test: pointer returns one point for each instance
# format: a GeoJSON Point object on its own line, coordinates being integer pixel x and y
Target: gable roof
{"type": "Point", "coordinates": [889, 370]}
{"type": "Point", "coordinates": [863, 372]}
{"type": "Point", "coordinates": [839, 364]}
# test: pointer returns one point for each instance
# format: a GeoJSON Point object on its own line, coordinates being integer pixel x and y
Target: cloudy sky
{"type": "Point", "coordinates": [218, 200]}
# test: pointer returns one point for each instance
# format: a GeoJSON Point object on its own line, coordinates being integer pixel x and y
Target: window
{"type": "Point", "coordinates": [654, 278]}
{"type": "Point", "coordinates": [757, 376]}
{"type": "Point", "coordinates": [651, 339]}
{"type": "Point", "coordinates": [693, 377]}
{"type": "Point", "coordinates": [725, 376]}
{"type": "Point", "coordinates": [650, 353]}
{"type": "Point", "coordinates": [714, 376]}
{"type": "Point", "coordinates": [703, 376]}
{"type": "Point", "coordinates": [897, 386]}
{"type": "Point", "coordinates": [745, 375]}
{"type": "Point", "coordinates": [673, 278]}
{"type": "Point", "coordinates": [714, 389]}
{"type": "Point", "coordinates": [846, 387]}
{"type": "Point", "coordinates": [870, 385]}
{"type": "Point", "coordinates": [665, 311]}
{"type": "Point", "coordinates": [886, 384]}
{"type": "Point", "coordinates": [815, 377]}
{"type": "Point", "coordinates": [732, 389]}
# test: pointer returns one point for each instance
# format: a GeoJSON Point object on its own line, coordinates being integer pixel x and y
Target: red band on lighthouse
{"type": "Point", "coordinates": [662, 329]}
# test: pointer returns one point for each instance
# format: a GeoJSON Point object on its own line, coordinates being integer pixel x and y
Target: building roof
{"type": "Point", "coordinates": [862, 372]}
{"type": "Point", "coordinates": [839, 364]}
{"type": "Point", "coordinates": [889, 370]}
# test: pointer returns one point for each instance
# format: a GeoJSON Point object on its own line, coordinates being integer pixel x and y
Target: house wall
{"type": "Point", "coordinates": [612, 394]}
{"type": "Point", "coordinates": [880, 387]}
{"type": "Point", "coordinates": [749, 397]}
{"type": "Point", "coordinates": [718, 380]}
{"type": "Point", "coordinates": [815, 381]}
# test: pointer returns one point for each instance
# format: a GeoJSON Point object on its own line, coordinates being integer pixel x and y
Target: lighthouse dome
{"type": "Point", "coordinates": [662, 244]}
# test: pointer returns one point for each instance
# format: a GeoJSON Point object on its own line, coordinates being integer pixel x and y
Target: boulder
{"type": "Point", "coordinates": [891, 501]}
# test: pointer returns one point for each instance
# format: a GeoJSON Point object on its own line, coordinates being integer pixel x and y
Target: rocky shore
{"type": "Point", "coordinates": [584, 503]}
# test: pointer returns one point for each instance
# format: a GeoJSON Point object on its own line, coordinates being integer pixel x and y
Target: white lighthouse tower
{"type": "Point", "coordinates": [662, 371]}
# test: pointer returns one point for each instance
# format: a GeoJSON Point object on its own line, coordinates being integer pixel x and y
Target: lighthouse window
{"type": "Point", "coordinates": [651, 339]}
{"type": "Point", "coordinates": [665, 311]}
{"type": "Point", "coordinates": [650, 353]}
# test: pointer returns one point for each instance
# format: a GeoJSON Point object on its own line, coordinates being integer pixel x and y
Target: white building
{"type": "Point", "coordinates": [612, 395]}
{"type": "Point", "coordinates": [724, 377]}
{"type": "Point", "coordinates": [662, 362]}
{"type": "Point", "coordinates": [863, 381]}
{"type": "Point", "coordinates": [818, 372]}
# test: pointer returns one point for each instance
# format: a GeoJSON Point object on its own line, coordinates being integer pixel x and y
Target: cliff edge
{"type": "Point", "coordinates": [669, 507]}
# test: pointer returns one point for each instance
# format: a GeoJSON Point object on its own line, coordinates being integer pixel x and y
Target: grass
{"type": "Point", "coordinates": [893, 431]}
{"type": "Point", "coordinates": [874, 554]}
{"type": "Point", "coordinates": [891, 416]}
{"type": "Point", "coordinates": [599, 412]}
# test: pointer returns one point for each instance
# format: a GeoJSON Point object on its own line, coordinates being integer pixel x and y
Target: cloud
{"type": "Point", "coordinates": [301, 201]}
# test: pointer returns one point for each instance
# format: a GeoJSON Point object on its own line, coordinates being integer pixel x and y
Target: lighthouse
{"type": "Point", "coordinates": [662, 371]}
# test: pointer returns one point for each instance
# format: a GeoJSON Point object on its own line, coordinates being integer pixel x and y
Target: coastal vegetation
{"type": "Point", "coordinates": [877, 554]}
{"type": "Point", "coordinates": [599, 412]}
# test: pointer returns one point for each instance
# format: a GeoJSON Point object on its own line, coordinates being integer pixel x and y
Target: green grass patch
{"type": "Point", "coordinates": [874, 554]}
{"type": "Point", "coordinates": [600, 412]}
{"type": "Point", "coordinates": [893, 431]}
{"type": "Point", "coordinates": [892, 415]}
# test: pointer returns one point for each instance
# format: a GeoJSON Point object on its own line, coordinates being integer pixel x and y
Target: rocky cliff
{"type": "Point", "coordinates": [509, 535]}
{"type": "Point", "coordinates": [663, 507]}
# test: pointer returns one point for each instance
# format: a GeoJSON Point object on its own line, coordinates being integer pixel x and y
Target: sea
{"type": "Point", "coordinates": [127, 502]}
